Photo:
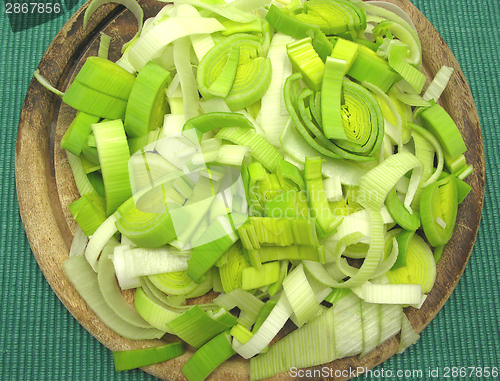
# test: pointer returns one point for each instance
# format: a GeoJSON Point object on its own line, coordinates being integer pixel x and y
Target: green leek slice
{"type": "Point", "coordinates": [224, 82]}
{"type": "Point", "coordinates": [174, 283]}
{"type": "Point", "coordinates": [114, 154]}
{"type": "Point", "coordinates": [371, 68]}
{"type": "Point", "coordinates": [196, 326]}
{"type": "Point", "coordinates": [439, 201]}
{"type": "Point", "coordinates": [91, 101]}
{"type": "Point", "coordinates": [420, 266]}
{"type": "Point", "coordinates": [77, 132]}
{"type": "Point", "coordinates": [81, 180]}
{"type": "Point", "coordinates": [305, 60]}
{"type": "Point", "coordinates": [79, 272]}
{"type": "Point", "coordinates": [414, 77]}
{"type": "Point", "coordinates": [138, 358]}
{"type": "Point", "coordinates": [208, 358]}
{"type": "Point", "coordinates": [245, 90]}
{"type": "Point", "coordinates": [89, 212]}
{"type": "Point", "coordinates": [298, 148]}
{"type": "Point", "coordinates": [147, 102]}
{"type": "Point", "coordinates": [325, 220]}
{"type": "Point", "coordinates": [261, 149]}
{"type": "Point", "coordinates": [287, 24]}
{"type": "Point", "coordinates": [405, 219]}
{"type": "Point", "coordinates": [231, 270]}
{"type": "Point", "coordinates": [406, 36]}
{"type": "Point", "coordinates": [213, 120]}
{"type": "Point", "coordinates": [106, 77]}
{"type": "Point", "coordinates": [437, 120]}
{"type": "Point", "coordinates": [331, 98]}
{"type": "Point", "coordinates": [214, 242]}
{"type": "Point", "coordinates": [187, 79]}
{"type": "Point", "coordinates": [153, 311]}
{"type": "Point", "coordinates": [249, 305]}
{"type": "Point", "coordinates": [252, 278]}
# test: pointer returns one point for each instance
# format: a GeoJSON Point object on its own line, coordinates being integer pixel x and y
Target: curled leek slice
{"type": "Point", "coordinates": [420, 266]}
{"type": "Point", "coordinates": [438, 208]}
{"type": "Point", "coordinates": [245, 90]}
{"type": "Point", "coordinates": [79, 272]}
{"type": "Point", "coordinates": [131, 5]}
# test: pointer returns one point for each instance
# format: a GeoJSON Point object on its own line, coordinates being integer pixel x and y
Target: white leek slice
{"type": "Point", "coordinates": [347, 326]}
{"type": "Point", "coordinates": [99, 239]}
{"type": "Point", "coordinates": [390, 293]}
{"type": "Point", "coordinates": [189, 87]}
{"type": "Point", "coordinates": [369, 266]}
{"type": "Point", "coordinates": [272, 121]}
{"type": "Point", "coordinates": [249, 5]}
{"type": "Point", "coordinates": [79, 243]}
{"type": "Point", "coordinates": [224, 10]}
{"type": "Point", "coordinates": [333, 188]}
{"type": "Point", "coordinates": [370, 316]}
{"type": "Point", "coordinates": [438, 84]}
{"type": "Point", "coordinates": [167, 31]}
{"type": "Point", "coordinates": [377, 183]}
{"type": "Point", "coordinates": [214, 105]}
{"type": "Point", "coordinates": [79, 272]}
{"type": "Point", "coordinates": [310, 345]}
{"type": "Point", "coordinates": [172, 124]}
{"type": "Point", "coordinates": [112, 293]}
{"type": "Point", "coordinates": [269, 329]}
{"type": "Point", "coordinates": [138, 262]}
{"type": "Point", "coordinates": [408, 335]}
{"type": "Point", "coordinates": [390, 321]}
{"type": "Point", "coordinates": [301, 296]}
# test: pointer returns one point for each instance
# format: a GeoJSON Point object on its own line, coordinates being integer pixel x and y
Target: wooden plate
{"type": "Point", "coordinates": [45, 184]}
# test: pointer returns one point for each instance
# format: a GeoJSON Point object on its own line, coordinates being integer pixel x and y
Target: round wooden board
{"type": "Point", "coordinates": [45, 184]}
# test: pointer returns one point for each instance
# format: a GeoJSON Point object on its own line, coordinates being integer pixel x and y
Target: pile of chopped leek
{"type": "Point", "coordinates": [278, 159]}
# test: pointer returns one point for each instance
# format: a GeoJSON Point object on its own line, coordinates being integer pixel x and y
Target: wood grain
{"type": "Point", "coordinates": [45, 184]}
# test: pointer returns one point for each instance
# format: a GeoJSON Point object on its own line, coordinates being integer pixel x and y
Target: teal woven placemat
{"type": "Point", "coordinates": [40, 340]}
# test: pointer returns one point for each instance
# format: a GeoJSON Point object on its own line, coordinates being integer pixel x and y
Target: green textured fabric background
{"type": "Point", "coordinates": [40, 340]}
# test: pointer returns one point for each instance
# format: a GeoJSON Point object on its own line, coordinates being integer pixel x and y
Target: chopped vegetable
{"type": "Point", "coordinates": [272, 159]}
